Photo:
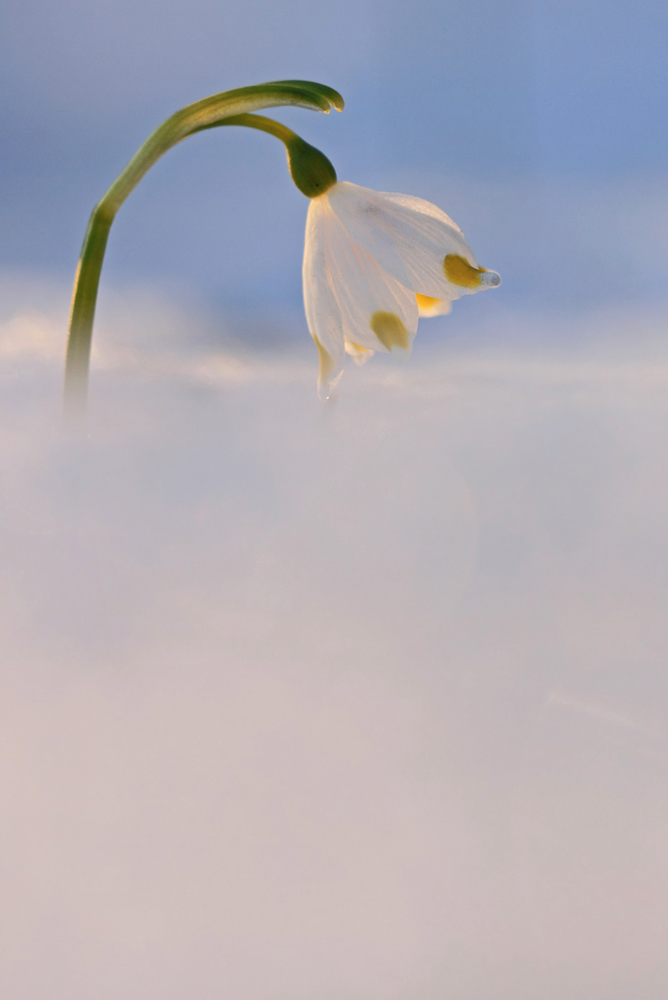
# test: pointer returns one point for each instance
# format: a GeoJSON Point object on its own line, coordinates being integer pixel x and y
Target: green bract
{"type": "Point", "coordinates": [311, 171]}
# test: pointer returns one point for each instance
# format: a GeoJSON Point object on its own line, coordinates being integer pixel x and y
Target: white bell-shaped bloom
{"type": "Point", "coordinates": [373, 263]}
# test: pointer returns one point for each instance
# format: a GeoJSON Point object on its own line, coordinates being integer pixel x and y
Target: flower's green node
{"type": "Point", "coordinates": [208, 113]}
{"type": "Point", "coordinates": [310, 169]}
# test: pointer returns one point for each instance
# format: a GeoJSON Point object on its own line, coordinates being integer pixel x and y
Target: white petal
{"type": "Point", "coordinates": [378, 313]}
{"type": "Point", "coordinates": [484, 279]}
{"type": "Point", "coordinates": [322, 311]}
{"type": "Point", "coordinates": [407, 236]}
{"type": "Point", "coordinates": [422, 206]}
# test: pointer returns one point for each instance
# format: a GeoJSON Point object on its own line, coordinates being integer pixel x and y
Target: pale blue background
{"type": "Point", "coordinates": [539, 126]}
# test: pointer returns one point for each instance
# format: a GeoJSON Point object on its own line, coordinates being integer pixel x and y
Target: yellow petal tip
{"type": "Point", "coordinates": [326, 363]}
{"type": "Point", "coordinates": [459, 272]}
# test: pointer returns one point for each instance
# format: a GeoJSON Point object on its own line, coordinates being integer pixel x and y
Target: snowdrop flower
{"type": "Point", "coordinates": [375, 262]}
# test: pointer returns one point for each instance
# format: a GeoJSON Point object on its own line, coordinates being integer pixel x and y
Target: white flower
{"type": "Point", "coordinates": [373, 263]}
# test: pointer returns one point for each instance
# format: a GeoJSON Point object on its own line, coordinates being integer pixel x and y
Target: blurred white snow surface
{"type": "Point", "coordinates": [367, 700]}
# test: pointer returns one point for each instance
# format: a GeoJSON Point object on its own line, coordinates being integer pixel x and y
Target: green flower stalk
{"type": "Point", "coordinates": [312, 172]}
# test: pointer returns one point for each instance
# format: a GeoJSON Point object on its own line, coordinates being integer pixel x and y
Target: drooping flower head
{"type": "Point", "coordinates": [373, 263]}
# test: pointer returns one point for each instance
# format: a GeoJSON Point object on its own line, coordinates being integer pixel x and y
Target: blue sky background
{"type": "Point", "coordinates": [539, 126]}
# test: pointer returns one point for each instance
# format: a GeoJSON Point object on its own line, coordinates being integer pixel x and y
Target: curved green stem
{"type": "Point", "coordinates": [208, 113]}
{"type": "Point", "coordinates": [310, 169]}
{"type": "Point", "coordinates": [270, 125]}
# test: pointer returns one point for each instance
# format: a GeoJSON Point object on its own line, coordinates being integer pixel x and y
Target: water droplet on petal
{"type": "Point", "coordinates": [489, 279]}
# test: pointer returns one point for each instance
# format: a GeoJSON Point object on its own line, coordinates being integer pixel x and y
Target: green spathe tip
{"type": "Point", "coordinates": [330, 95]}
